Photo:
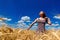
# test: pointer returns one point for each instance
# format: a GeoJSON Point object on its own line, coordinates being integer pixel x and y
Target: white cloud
{"type": "Point", "coordinates": [57, 17]}
{"type": "Point", "coordinates": [7, 19]}
{"type": "Point", "coordinates": [22, 22]}
{"type": "Point", "coordinates": [25, 18]}
{"type": "Point", "coordinates": [3, 19]}
{"type": "Point", "coordinates": [22, 25]}
{"type": "Point", "coordinates": [53, 25]}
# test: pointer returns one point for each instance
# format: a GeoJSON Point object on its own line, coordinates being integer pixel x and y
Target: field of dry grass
{"type": "Point", "coordinates": [7, 33]}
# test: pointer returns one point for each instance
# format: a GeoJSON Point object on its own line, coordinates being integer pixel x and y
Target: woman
{"type": "Point", "coordinates": [42, 20]}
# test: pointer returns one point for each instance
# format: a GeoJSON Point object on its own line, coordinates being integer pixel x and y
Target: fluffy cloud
{"type": "Point", "coordinates": [53, 26]}
{"type": "Point", "coordinates": [57, 17]}
{"type": "Point", "coordinates": [3, 19]}
{"type": "Point", "coordinates": [6, 19]}
{"type": "Point", "coordinates": [21, 25]}
{"type": "Point", "coordinates": [22, 22]}
{"type": "Point", "coordinates": [25, 22]}
{"type": "Point", "coordinates": [25, 18]}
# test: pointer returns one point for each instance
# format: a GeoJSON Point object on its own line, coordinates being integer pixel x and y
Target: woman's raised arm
{"type": "Point", "coordinates": [32, 24]}
{"type": "Point", "coordinates": [49, 22]}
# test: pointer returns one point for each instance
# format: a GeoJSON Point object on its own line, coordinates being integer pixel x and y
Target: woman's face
{"type": "Point", "coordinates": [41, 15]}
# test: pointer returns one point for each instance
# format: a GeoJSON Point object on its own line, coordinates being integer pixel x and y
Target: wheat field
{"type": "Point", "coordinates": [8, 33]}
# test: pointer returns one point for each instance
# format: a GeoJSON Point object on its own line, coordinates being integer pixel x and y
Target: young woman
{"type": "Point", "coordinates": [42, 20]}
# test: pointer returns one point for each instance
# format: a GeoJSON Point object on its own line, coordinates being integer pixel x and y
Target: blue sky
{"type": "Point", "coordinates": [16, 9]}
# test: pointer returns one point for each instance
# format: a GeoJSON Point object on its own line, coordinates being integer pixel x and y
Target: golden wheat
{"type": "Point", "coordinates": [7, 33]}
